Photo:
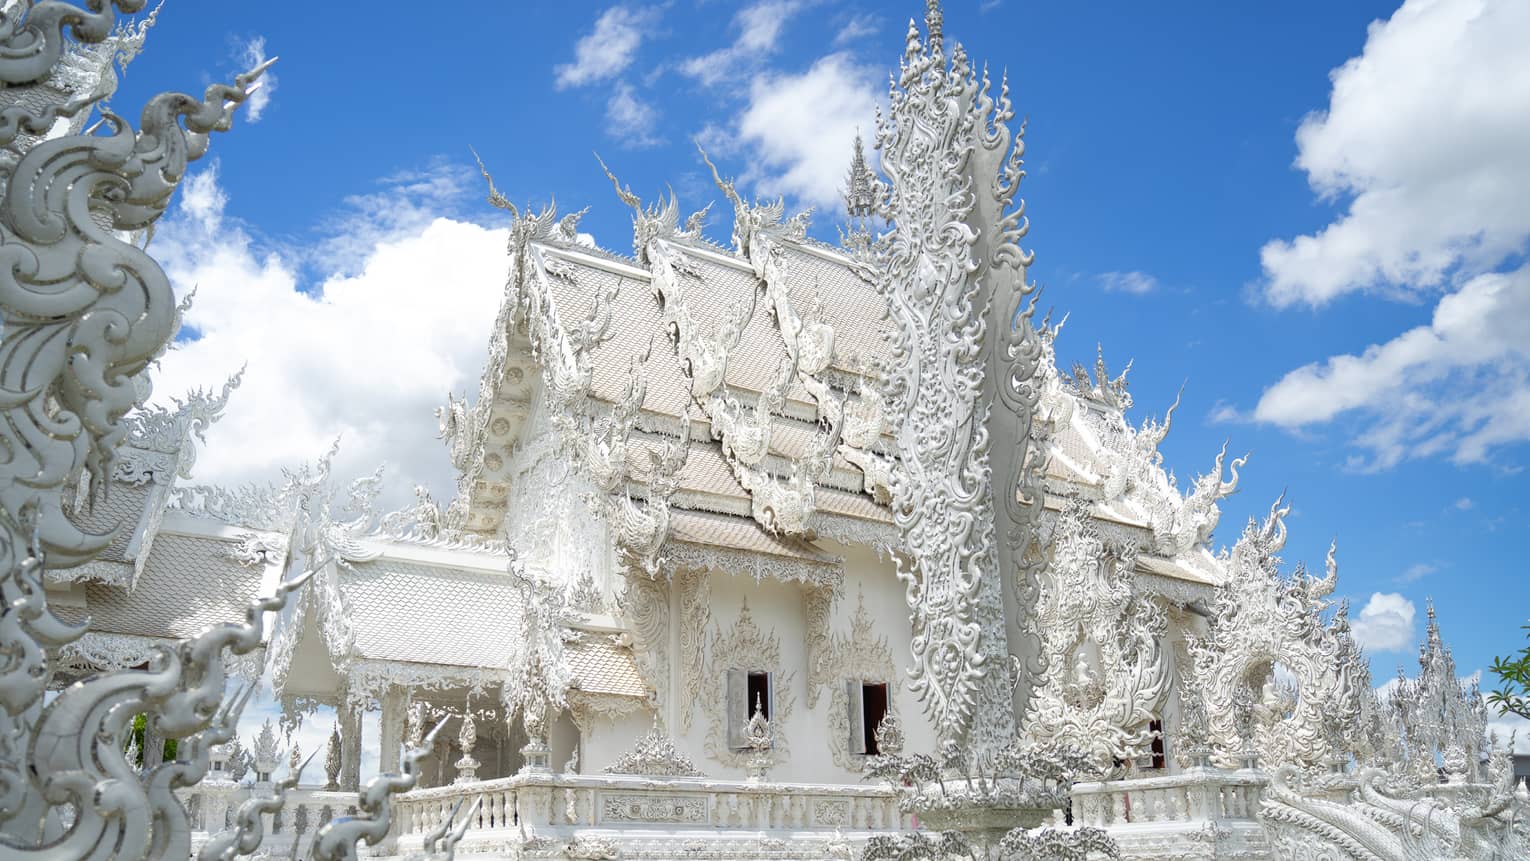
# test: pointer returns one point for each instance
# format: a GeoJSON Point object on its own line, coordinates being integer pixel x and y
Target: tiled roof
{"type": "Point", "coordinates": [122, 506]}
{"type": "Point", "coordinates": [403, 611]}
{"type": "Point", "coordinates": [188, 585]}
{"type": "Point", "coordinates": [599, 666]}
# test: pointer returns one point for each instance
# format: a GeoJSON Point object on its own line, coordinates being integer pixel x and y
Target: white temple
{"type": "Point", "coordinates": [781, 549]}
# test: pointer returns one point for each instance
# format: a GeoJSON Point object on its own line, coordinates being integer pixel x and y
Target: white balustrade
{"type": "Point", "coordinates": [566, 803]}
{"type": "Point", "coordinates": [1196, 795]}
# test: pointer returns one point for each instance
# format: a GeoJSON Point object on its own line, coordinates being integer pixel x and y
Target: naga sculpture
{"type": "Point", "coordinates": [1263, 621]}
{"type": "Point", "coordinates": [85, 311]}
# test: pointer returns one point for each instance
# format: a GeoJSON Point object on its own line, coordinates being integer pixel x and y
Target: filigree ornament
{"type": "Point", "coordinates": [862, 656]}
{"type": "Point", "coordinates": [1371, 815]}
{"type": "Point", "coordinates": [1441, 720]}
{"type": "Point", "coordinates": [1107, 672]}
{"type": "Point", "coordinates": [743, 646]}
{"type": "Point", "coordinates": [1263, 620]}
{"type": "Point", "coordinates": [951, 271]}
{"type": "Point", "coordinates": [654, 754]}
{"type": "Point", "coordinates": [539, 676]}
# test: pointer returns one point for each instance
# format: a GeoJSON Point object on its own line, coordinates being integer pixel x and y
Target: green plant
{"type": "Point", "coordinates": [1513, 695]}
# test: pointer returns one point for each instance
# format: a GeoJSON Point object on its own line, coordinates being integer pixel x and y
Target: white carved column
{"type": "Point", "coordinates": [534, 719]}
{"type": "Point", "coordinates": [467, 742]}
{"type": "Point", "coordinates": [395, 702]}
{"type": "Point", "coordinates": [349, 713]}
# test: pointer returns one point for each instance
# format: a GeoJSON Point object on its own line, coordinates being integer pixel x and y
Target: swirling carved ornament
{"type": "Point", "coordinates": [695, 588]}
{"type": "Point", "coordinates": [84, 312]}
{"type": "Point", "coordinates": [1442, 722]}
{"type": "Point", "coordinates": [1372, 815]}
{"type": "Point", "coordinates": [655, 755]}
{"type": "Point", "coordinates": [860, 655]}
{"type": "Point", "coordinates": [743, 646]}
{"type": "Point", "coordinates": [1107, 671]}
{"type": "Point", "coordinates": [951, 270]}
{"type": "Point", "coordinates": [1262, 620]}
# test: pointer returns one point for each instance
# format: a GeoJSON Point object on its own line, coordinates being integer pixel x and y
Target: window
{"type": "Point", "coordinates": [873, 709]}
{"type": "Point", "coordinates": [866, 705]}
{"type": "Point", "coordinates": [1160, 753]}
{"type": "Point", "coordinates": [759, 693]}
{"type": "Point", "coordinates": [745, 690]}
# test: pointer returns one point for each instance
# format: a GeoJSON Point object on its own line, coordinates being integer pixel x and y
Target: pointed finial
{"type": "Point", "coordinates": [934, 20]}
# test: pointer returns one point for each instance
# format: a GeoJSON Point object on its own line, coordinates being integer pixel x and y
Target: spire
{"type": "Point", "coordinates": [934, 19]}
{"type": "Point", "coordinates": [860, 184]}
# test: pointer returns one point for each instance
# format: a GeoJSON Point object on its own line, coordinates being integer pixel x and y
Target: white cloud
{"type": "Point", "coordinates": [404, 204]}
{"type": "Point", "coordinates": [1424, 143]}
{"type": "Point", "coordinates": [363, 355]}
{"type": "Point", "coordinates": [1223, 412]}
{"type": "Point", "coordinates": [1385, 624]}
{"type": "Point", "coordinates": [1459, 385]}
{"type": "Point", "coordinates": [1425, 134]}
{"type": "Point", "coordinates": [608, 49]}
{"type": "Point", "coordinates": [629, 119]}
{"type": "Point", "coordinates": [1464, 504]}
{"type": "Point", "coordinates": [801, 128]}
{"type": "Point", "coordinates": [858, 27]}
{"type": "Point", "coordinates": [759, 29]}
{"type": "Point", "coordinates": [252, 54]}
{"type": "Point", "coordinates": [1136, 283]}
{"type": "Point", "coordinates": [1417, 571]}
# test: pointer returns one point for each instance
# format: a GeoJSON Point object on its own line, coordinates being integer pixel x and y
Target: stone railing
{"type": "Point", "coordinates": [1196, 795]}
{"type": "Point", "coordinates": [1201, 813]}
{"type": "Point", "coordinates": [211, 807]}
{"type": "Point", "coordinates": [570, 807]}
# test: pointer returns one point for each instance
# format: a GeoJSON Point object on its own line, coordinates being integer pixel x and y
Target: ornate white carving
{"type": "Point", "coordinates": [645, 606]}
{"type": "Point", "coordinates": [818, 644]}
{"type": "Point", "coordinates": [860, 656]}
{"type": "Point", "coordinates": [695, 614]}
{"type": "Point", "coordinates": [1107, 672]}
{"type": "Point", "coordinates": [654, 754]}
{"type": "Point", "coordinates": [584, 707]}
{"type": "Point", "coordinates": [745, 647]}
{"type": "Point", "coordinates": [951, 271]}
{"type": "Point", "coordinates": [1369, 815]}
{"type": "Point", "coordinates": [762, 566]}
{"type": "Point", "coordinates": [1261, 620]}
{"type": "Point", "coordinates": [539, 676]}
{"type": "Point", "coordinates": [1441, 720]}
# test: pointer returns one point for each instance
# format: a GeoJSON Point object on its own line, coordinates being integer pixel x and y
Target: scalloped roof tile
{"type": "Point", "coordinates": [404, 611]}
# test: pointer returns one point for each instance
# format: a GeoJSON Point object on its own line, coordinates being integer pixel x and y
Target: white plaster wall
{"type": "Point", "coordinates": [884, 596]}
{"type": "Point", "coordinates": [562, 740]}
{"type": "Point", "coordinates": [778, 607]}
{"type": "Point", "coordinates": [609, 738]}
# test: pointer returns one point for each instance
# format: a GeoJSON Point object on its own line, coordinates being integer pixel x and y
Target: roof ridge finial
{"type": "Point", "coordinates": [934, 19]}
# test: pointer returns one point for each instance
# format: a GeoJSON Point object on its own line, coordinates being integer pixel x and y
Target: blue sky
{"type": "Point", "coordinates": [1377, 369]}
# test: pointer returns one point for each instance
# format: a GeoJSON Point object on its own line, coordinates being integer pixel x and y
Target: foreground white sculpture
{"type": "Point", "coordinates": [625, 637]}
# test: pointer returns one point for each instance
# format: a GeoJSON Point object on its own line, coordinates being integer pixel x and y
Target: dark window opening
{"type": "Point", "coordinates": [873, 709]}
{"type": "Point", "coordinates": [1160, 753]}
{"type": "Point", "coordinates": [759, 693]}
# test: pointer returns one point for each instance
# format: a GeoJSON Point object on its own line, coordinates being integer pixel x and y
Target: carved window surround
{"type": "Point", "coordinates": [745, 647]}
{"type": "Point", "coordinates": [862, 656]}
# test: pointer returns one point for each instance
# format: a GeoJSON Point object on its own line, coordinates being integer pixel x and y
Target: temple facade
{"type": "Point", "coordinates": [756, 542]}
